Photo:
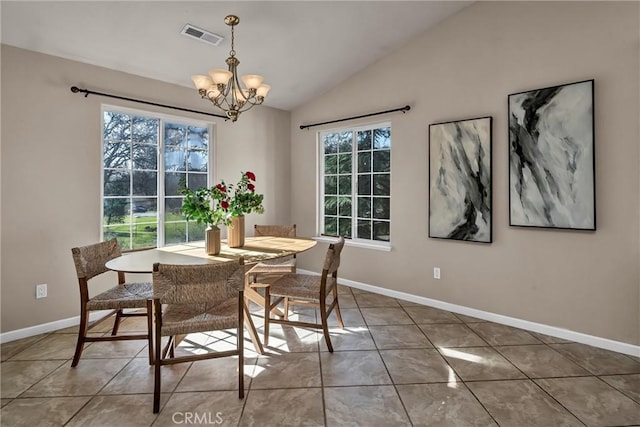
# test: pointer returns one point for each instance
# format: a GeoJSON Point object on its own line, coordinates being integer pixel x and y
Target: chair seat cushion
{"type": "Point", "coordinates": [300, 286]}
{"type": "Point", "coordinates": [191, 318]}
{"type": "Point", "coordinates": [127, 295]}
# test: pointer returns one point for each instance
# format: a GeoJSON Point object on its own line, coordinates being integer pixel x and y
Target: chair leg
{"type": "Point", "coordinates": [241, 346]}
{"type": "Point", "coordinates": [116, 322]}
{"type": "Point", "coordinates": [150, 330]}
{"type": "Point", "coordinates": [337, 307]}
{"type": "Point", "coordinates": [325, 325]}
{"type": "Point", "coordinates": [82, 333]}
{"type": "Point", "coordinates": [286, 308]}
{"type": "Point", "coordinates": [158, 358]}
{"type": "Point", "coordinates": [267, 314]}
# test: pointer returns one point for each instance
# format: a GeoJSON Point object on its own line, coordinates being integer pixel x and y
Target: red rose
{"type": "Point", "coordinates": [251, 176]}
{"type": "Point", "coordinates": [221, 188]}
{"type": "Point", "coordinates": [251, 187]}
{"type": "Point", "coordinates": [224, 204]}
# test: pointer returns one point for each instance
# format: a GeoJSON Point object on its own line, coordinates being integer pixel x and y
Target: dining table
{"type": "Point", "coordinates": [254, 250]}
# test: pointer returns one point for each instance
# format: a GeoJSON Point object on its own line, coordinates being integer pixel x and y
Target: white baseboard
{"type": "Point", "coordinates": [48, 327]}
{"type": "Point", "coordinates": [607, 344]}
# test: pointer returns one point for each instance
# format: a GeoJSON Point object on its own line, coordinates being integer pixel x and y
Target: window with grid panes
{"type": "Point", "coordinates": [355, 183]}
{"type": "Point", "coordinates": [146, 161]}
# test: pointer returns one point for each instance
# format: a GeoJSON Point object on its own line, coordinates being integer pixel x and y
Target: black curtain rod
{"type": "Point", "coordinates": [403, 109]}
{"type": "Point", "coordinates": [87, 92]}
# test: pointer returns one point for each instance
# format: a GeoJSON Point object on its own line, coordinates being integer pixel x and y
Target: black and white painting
{"type": "Point", "coordinates": [460, 180]}
{"type": "Point", "coordinates": [551, 157]}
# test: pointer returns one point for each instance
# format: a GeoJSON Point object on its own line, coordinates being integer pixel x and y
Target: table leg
{"type": "Point", "coordinates": [254, 296]}
{"type": "Point", "coordinates": [253, 333]}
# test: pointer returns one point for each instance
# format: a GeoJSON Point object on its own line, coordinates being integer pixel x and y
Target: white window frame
{"type": "Point", "coordinates": [161, 169]}
{"type": "Point", "coordinates": [353, 241]}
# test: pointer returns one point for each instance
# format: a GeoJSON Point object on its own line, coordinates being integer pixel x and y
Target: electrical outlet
{"type": "Point", "coordinates": [436, 272]}
{"type": "Point", "coordinates": [41, 291]}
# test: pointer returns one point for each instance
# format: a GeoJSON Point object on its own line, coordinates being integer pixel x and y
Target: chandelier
{"type": "Point", "coordinates": [223, 89]}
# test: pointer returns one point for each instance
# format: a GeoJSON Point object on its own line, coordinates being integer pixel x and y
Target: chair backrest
{"type": "Point", "coordinates": [332, 259]}
{"type": "Point", "coordinates": [192, 284]}
{"type": "Point", "coordinates": [90, 259]}
{"type": "Point", "coordinates": [275, 230]}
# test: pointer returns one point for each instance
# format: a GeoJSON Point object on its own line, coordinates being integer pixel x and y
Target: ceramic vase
{"type": "Point", "coordinates": [235, 232]}
{"type": "Point", "coordinates": [212, 240]}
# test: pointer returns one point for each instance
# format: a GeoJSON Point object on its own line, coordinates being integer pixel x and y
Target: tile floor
{"type": "Point", "coordinates": [395, 363]}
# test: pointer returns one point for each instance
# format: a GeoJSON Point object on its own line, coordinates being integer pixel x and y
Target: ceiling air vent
{"type": "Point", "coordinates": [202, 35]}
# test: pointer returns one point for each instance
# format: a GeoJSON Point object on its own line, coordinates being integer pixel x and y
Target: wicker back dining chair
{"type": "Point", "coordinates": [303, 289]}
{"type": "Point", "coordinates": [90, 262]}
{"type": "Point", "coordinates": [197, 298]}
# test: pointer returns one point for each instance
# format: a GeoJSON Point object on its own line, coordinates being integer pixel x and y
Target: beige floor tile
{"type": "Point", "coordinates": [628, 384]}
{"type": "Point", "coordinates": [222, 408]}
{"type": "Point", "coordinates": [115, 349]}
{"type": "Point", "coordinates": [350, 317]}
{"type": "Point", "coordinates": [41, 412]}
{"type": "Point", "coordinates": [349, 338]}
{"type": "Point", "coordinates": [422, 315]}
{"type": "Point", "coordinates": [122, 410]}
{"type": "Point", "coordinates": [18, 376]}
{"type": "Point", "coordinates": [402, 336]}
{"type": "Point", "coordinates": [216, 374]}
{"type": "Point", "coordinates": [405, 303]}
{"type": "Point", "coordinates": [296, 407]}
{"type": "Point", "coordinates": [593, 401]}
{"type": "Point", "coordinates": [548, 339]}
{"type": "Point", "coordinates": [137, 378]}
{"type": "Point", "coordinates": [480, 363]}
{"type": "Point", "coordinates": [347, 301]}
{"type": "Point", "coordinates": [4, 402]}
{"type": "Point", "coordinates": [345, 368]}
{"type": "Point", "coordinates": [521, 403]}
{"type": "Point", "coordinates": [364, 406]}
{"type": "Point", "coordinates": [287, 370]}
{"type": "Point", "coordinates": [452, 335]}
{"type": "Point", "coordinates": [12, 348]}
{"type": "Point", "coordinates": [413, 366]}
{"type": "Point", "coordinates": [468, 319]}
{"type": "Point", "coordinates": [541, 361]}
{"type": "Point", "coordinates": [344, 290]}
{"type": "Point", "coordinates": [597, 360]}
{"type": "Point", "coordinates": [290, 339]}
{"type": "Point", "coordinates": [85, 379]}
{"type": "Point", "coordinates": [496, 334]}
{"type": "Point", "coordinates": [53, 346]}
{"type": "Point", "coordinates": [366, 300]}
{"type": "Point", "coordinates": [443, 405]}
{"type": "Point", "coordinates": [386, 316]}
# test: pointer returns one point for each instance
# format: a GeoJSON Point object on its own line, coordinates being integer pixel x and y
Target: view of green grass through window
{"type": "Point", "coordinates": [139, 208]}
{"type": "Point", "coordinates": [356, 190]}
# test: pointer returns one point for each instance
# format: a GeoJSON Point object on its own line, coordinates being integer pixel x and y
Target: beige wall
{"type": "Point", "coordinates": [51, 153]}
{"type": "Point", "coordinates": [465, 67]}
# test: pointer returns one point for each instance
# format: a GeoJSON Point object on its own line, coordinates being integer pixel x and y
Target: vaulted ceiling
{"type": "Point", "coordinates": [302, 48]}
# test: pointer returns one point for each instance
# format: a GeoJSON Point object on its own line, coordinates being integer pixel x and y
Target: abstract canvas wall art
{"type": "Point", "coordinates": [460, 180]}
{"type": "Point", "coordinates": [551, 157]}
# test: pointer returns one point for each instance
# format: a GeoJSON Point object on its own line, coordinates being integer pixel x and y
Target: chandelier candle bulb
{"type": "Point", "coordinates": [223, 88]}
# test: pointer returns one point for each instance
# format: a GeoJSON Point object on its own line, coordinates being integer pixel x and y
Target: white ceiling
{"type": "Point", "coordinates": [303, 48]}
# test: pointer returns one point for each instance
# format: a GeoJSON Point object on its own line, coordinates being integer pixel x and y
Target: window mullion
{"type": "Point", "coordinates": [161, 189]}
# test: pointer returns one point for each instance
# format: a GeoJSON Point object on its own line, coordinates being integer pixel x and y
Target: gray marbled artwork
{"type": "Point", "coordinates": [460, 180]}
{"type": "Point", "coordinates": [551, 157]}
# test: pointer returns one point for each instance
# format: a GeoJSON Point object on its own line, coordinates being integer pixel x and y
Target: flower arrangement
{"type": "Point", "coordinates": [216, 205]}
